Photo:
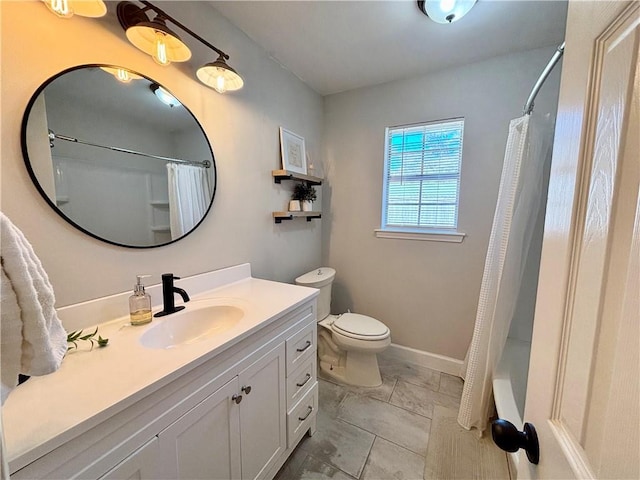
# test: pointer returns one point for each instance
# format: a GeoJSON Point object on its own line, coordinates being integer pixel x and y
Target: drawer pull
{"type": "Point", "coordinates": [302, 419]}
{"type": "Point", "coordinates": [246, 389]}
{"type": "Point", "coordinates": [305, 381]}
{"type": "Point", "coordinates": [305, 347]}
{"type": "Point", "coordinates": [237, 398]}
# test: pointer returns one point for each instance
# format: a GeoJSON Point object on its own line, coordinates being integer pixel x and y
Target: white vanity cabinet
{"type": "Point", "coordinates": [204, 442]}
{"type": "Point", "coordinates": [235, 415]}
{"type": "Point", "coordinates": [263, 425]}
{"type": "Point", "coordinates": [239, 431]}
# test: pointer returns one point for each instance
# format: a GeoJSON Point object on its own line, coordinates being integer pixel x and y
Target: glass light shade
{"type": "Point", "coordinates": [122, 75]}
{"type": "Point", "coordinates": [164, 96]}
{"type": "Point", "coordinates": [156, 39]}
{"type": "Point", "coordinates": [446, 11]}
{"type": "Point", "coordinates": [84, 8]}
{"type": "Point", "coordinates": [220, 76]}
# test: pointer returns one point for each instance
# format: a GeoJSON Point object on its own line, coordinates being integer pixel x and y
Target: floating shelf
{"type": "Point", "coordinates": [279, 175]}
{"type": "Point", "coordinates": [279, 216]}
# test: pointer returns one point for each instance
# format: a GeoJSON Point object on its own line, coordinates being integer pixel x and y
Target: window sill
{"type": "Point", "coordinates": [427, 235]}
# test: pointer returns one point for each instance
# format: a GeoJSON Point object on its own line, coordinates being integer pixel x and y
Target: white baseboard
{"type": "Point", "coordinates": [434, 361]}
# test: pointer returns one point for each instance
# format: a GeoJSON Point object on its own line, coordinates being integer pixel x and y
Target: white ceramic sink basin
{"type": "Point", "coordinates": [197, 322]}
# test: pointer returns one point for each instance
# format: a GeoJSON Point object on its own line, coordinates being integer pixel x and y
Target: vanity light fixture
{"type": "Point", "coordinates": [84, 8]}
{"type": "Point", "coordinates": [445, 11]}
{"type": "Point", "coordinates": [121, 74]}
{"type": "Point", "coordinates": [157, 40]}
{"type": "Point", "coordinates": [220, 76]}
{"type": "Point", "coordinates": [164, 96]}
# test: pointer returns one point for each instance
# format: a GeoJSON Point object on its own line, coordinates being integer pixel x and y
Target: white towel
{"type": "Point", "coordinates": [32, 338]}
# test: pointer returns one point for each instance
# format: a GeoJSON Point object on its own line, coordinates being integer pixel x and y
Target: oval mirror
{"type": "Point", "coordinates": [118, 157]}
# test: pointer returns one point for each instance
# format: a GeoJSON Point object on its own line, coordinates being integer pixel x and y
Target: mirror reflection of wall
{"type": "Point", "coordinates": [121, 198]}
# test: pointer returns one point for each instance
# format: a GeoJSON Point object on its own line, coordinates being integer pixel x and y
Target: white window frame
{"type": "Point", "coordinates": [415, 232]}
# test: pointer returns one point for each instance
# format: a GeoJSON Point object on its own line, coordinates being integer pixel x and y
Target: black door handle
{"type": "Point", "coordinates": [508, 438]}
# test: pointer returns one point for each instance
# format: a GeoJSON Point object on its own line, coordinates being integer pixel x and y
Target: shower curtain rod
{"type": "Point", "coordinates": [528, 107]}
{"type": "Point", "coordinates": [55, 136]}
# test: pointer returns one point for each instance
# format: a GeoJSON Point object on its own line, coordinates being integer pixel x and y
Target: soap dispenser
{"type": "Point", "coordinates": [140, 304]}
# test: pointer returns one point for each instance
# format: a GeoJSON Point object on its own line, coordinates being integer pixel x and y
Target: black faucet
{"type": "Point", "coordinates": [168, 291]}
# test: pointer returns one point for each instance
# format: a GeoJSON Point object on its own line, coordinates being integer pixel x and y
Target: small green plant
{"type": "Point", "coordinates": [74, 337]}
{"type": "Point", "coordinates": [304, 192]}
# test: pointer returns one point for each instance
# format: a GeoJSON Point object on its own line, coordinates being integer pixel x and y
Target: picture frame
{"type": "Point", "coordinates": [292, 150]}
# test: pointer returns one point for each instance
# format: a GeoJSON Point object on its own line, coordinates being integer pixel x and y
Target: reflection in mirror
{"type": "Point", "coordinates": [114, 160]}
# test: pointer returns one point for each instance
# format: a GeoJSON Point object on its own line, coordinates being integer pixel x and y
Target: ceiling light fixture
{"type": "Point", "coordinates": [445, 11]}
{"type": "Point", "coordinates": [164, 96]}
{"type": "Point", "coordinates": [157, 40]}
{"type": "Point", "coordinates": [84, 8]}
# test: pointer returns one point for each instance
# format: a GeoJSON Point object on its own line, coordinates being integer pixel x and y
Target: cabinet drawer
{"type": "Point", "coordinates": [300, 418]}
{"type": "Point", "coordinates": [300, 347]}
{"type": "Point", "coordinates": [301, 381]}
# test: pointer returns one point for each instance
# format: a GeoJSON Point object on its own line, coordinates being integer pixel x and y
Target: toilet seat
{"type": "Point", "coordinates": [360, 327]}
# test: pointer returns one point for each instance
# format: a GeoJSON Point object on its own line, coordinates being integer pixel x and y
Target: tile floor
{"type": "Point", "coordinates": [374, 433]}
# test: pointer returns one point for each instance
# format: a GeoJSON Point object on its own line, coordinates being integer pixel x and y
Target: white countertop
{"type": "Point", "coordinates": [91, 386]}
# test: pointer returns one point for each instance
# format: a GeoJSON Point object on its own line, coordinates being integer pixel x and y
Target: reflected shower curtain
{"type": "Point", "coordinates": [189, 197]}
{"type": "Point", "coordinates": [519, 201]}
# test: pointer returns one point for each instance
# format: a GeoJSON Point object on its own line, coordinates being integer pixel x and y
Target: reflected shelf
{"type": "Point", "coordinates": [279, 216]}
{"type": "Point", "coordinates": [279, 175]}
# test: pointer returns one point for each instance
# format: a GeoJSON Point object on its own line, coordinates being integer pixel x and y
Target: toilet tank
{"type": "Point", "coordinates": [321, 278]}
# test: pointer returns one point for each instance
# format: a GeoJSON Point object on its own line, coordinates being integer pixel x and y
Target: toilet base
{"type": "Point", "coordinates": [361, 370]}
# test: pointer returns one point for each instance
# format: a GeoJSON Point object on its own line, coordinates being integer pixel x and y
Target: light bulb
{"type": "Point", "coordinates": [220, 86]}
{"type": "Point", "coordinates": [123, 76]}
{"type": "Point", "coordinates": [160, 56]}
{"type": "Point", "coordinates": [59, 7]}
{"type": "Point", "coordinates": [447, 5]}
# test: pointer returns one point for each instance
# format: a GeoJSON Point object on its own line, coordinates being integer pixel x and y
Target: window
{"type": "Point", "coordinates": [422, 178]}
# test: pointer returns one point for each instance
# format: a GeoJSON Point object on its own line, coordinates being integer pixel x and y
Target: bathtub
{"type": "Point", "coordinates": [510, 383]}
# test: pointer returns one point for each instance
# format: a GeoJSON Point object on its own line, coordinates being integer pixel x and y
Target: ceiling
{"type": "Point", "coordinates": [334, 46]}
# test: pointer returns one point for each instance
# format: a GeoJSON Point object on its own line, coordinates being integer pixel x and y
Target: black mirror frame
{"type": "Point", "coordinates": [43, 194]}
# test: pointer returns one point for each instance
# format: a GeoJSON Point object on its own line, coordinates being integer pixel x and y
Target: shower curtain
{"type": "Point", "coordinates": [519, 201]}
{"type": "Point", "coordinates": [189, 197]}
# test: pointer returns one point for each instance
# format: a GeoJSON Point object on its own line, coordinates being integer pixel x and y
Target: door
{"type": "Point", "coordinates": [263, 413]}
{"type": "Point", "coordinates": [204, 443]}
{"type": "Point", "coordinates": [582, 393]}
{"type": "Point", "coordinates": [140, 465]}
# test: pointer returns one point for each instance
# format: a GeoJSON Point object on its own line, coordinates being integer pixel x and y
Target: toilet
{"type": "Point", "coordinates": [348, 343]}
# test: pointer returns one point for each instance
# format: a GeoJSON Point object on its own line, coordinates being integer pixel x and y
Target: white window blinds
{"type": "Point", "coordinates": [422, 175]}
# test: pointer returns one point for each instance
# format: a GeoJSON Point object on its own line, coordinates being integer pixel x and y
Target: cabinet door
{"type": "Point", "coordinates": [204, 443]}
{"type": "Point", "coordinates": [263, 413]}
{"type": "Point", "coordinates": [142, 464]}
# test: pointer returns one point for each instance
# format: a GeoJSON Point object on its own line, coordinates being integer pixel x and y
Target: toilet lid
{"type": "Point", "coordinates": [360, 326]}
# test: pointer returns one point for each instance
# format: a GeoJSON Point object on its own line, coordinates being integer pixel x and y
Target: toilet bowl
{"type": "Point", "coordinates": [348, 344]}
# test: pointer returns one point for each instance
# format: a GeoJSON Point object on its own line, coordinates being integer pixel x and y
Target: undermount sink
{"type": "Point", "coordinates": [197, 322]}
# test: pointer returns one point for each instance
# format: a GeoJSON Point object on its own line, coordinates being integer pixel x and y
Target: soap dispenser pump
{"type": "Point", "coordinates": [140, 303]}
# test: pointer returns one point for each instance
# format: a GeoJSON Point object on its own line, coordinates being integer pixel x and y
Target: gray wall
{"type": "Point", "coordinates": [426, 292]}
{"type": "Point", "coordinates": [242, 128]}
